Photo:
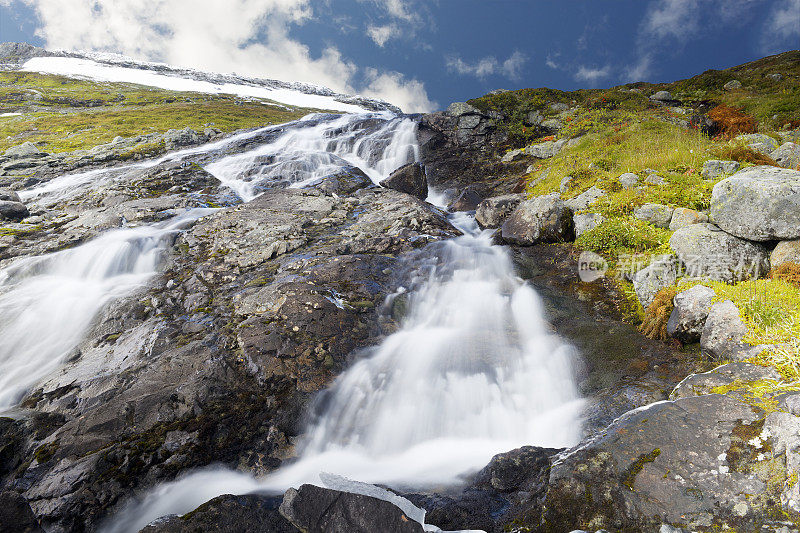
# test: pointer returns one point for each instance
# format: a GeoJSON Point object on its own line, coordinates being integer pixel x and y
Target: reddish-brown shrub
{"type": "Point", "coordinates": [732, 121]}
{"type": "Point", "coordinates": [656, 316]}
{"type": "Point", "coordinates": [788, 272]}
{"type": "Point", "coordinates": [743, 154]}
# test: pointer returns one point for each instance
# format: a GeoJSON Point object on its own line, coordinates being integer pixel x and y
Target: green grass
{"type": "Point", "coordinates": [628, 235]}
{"type": "Point", "coordinates": [69, 114]}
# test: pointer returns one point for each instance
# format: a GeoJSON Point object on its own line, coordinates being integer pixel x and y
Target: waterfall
{"type": "Point", "coordinates": [473, 370]}
{"type": "Point", "coordinates": [48, 302]}
{"type": "Point", "coordinates": [377, 144]}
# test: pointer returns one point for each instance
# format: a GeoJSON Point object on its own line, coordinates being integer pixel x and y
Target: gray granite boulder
{"type": "Point", "coordinates": [707, 251]}
{"type": "Point", "coordinates": [759, 204]}
{"type": "Point", "coordinates": [409, 179]}
{"type": "Point", "coordinates": [758, 142]}
{"type": "Point", "coordinates": [586, 198]}
{"type": "Point", "coordinates": [657, 214]}
{"type": "Point", "coordinates": [655, 179]}
{"type": "Point", "coordinates": [541, 219]}
{"type": "Point", "coordinates": [788, 155]}
{"type": "Point", "coordinates": [629, 180]}
{"type": "Point", "coordinates": [683, 217]}
{"type": "Point", "coordinates": [491, 212]}
{"type": "Point", "coordinates": [714, 168]}
{"type": "Point", "coordinates": [723, 331]}
{"type": "Point", "coordinates": [586, 221]}
{"type": "Point", "coordinates": [12, 210]}
{"type": "Point", "coordinates": [689, 314]}
{"type": "Point", "coordinates": [659, 274]}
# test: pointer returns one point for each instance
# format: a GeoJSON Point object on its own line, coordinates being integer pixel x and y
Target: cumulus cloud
{"type": "Point", "coordinates": [592, 74]}
{"type": "Point", "coordinates": [381, 34]}
{"type": "Point", "coordinates": [671, 18]}
{"type": "Point", "coordinates": [782, 28]}
{"type": "Point", "coordinates": [244, 36]}
{"type": "Point", "coordinates": [393, 86]}
{"type": "Point", "coordinates": [641, 69]}
{"type": "Point", "coordinates": [488, 66]}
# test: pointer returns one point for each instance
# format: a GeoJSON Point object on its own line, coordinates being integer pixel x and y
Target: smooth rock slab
{"type": "Point", "coordinates": [541, 219]}
{"type": "Point", "coordinates": [759, 204]}
{"type": "Point", "coordinates": [689, 314]}
{"type": "Point", "coordinates": [707, 251]}
{"type": "Point", "coordinates": [704, 383]}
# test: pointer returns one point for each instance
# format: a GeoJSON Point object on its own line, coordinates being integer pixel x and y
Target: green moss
{"type": "Point", "coordinates": [627, 235]}
{"type": "Point", "coordinates": [46, 452]}
{"type": "Point", "coordinates": [629, 476]}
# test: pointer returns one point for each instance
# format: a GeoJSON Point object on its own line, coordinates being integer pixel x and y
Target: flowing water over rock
{"type": "Point", "coordinates": [472, 371]}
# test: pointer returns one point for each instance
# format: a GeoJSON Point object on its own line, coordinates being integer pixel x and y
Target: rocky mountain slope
{"type": "Point", "coordinates": [684, 196]}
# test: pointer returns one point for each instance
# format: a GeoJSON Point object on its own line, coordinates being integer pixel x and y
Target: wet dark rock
{"type": "Point", "coordinates": [13, 210]}
{"type": "Point", "coordinates": [468, 200]}
{"type": "Point", "coordinates": [16, 515]}
{"type": "Point", "coordinates": [689, 314]}
{"type": "Point", "coordinates": [228, 514]}
{"type": "Point", "coordinates": [344, 181]}
{"type": "Point", "coordinates": [317, 510]}
{"type": "Point", "coordinates": [409, 179]}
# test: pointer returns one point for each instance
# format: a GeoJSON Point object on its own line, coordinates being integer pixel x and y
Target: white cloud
{"type": "Point", "coordinates": [592, 75]}
{"type": "Point", "coordinates": [381, 34]}
{"type": "Point", "coordinates": [640, 70]}
{"type": "Point", "coordinates": [409, 95]}
{"type": "Point", "coordinates": [671, 18]}
{"type": "Point", "coordinates": [398, 9]}
{"type": "Point", "coordinates": [782, 30]}
{"type": "Point", "coordinates": [488, 66]}
{"type": "Point", "coordinates": [244, 36]}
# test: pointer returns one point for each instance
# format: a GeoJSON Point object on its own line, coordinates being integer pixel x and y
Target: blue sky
{"type": "Point", "coordinates": [421, 54]}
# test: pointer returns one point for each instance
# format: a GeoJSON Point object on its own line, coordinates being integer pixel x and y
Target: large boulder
{"type": "Point", "coordinates": [787, 156]}
{"type": "Point", "coordinates": [546, 149]}
{"type": "Point", "coordinates": [714, 168]}
{"type": "Point", "coordinates": [541, 219]}
{"type": "Point", "coordinates": [9, 196]}
{"type": "Point", "coordinates": [683, 217]}
{"type": "Point", "coordinates": [732, 85]}
{"type": "Point", "coordinates": [175, 139]}
{"type": "Point", "coordinates": [785, 252]}
{"type": "Point", "coordinates": [586, 198]}
{"type": "Point", "coordinates": [491, 212]}
{"type": "Point", "coordinates": [409, 179]}
{"type": "Point", "coordinates": [459, 109]}
{"type": "Point", "coordinates": [670, 462]}
{"type": "Point", "coordinates": [689, 314]}
{"type": "Point", "coordinates": [707, 251]}
{"type": "Point", "coordinates": [659, 274]}
{"type": "Point", "coordinates": [723, 331]}
{"type": "Point", "coordinates": [468, 200]}
{"type": "Point", "coordinates": [12, 210]}
{"type": "Point", "coordinates": [759, 204]}
{"type": "Point", "coordinates": [657, 214]}
{"type": "Point", "coordinates": [662, 96]}
{"type": "Point", "coordinates": [318, 510]}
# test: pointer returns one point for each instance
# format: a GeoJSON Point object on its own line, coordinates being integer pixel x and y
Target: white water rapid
{"type": "Point", "coordinates": [474, 369]}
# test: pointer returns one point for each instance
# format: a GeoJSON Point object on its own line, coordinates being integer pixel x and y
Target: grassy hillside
{"type": "Point", "coordinates": [620, 130]}
{"type": "Point", "coordinates": [63, 114]}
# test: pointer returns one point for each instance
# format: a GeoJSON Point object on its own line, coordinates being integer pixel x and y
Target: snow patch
{"type": "Point", "coordinates": [114, 73]}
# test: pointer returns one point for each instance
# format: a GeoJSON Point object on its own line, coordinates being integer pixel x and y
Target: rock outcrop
{"type": "Point", "coordinates": [541, 219]}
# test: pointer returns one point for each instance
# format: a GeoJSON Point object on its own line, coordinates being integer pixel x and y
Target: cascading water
{"type": "Point", "coordinates": [48, 302]}
{"type": "Point", "coordinates": [472, 371]}
{"type": "Point", "coordinates": [377, 144]}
